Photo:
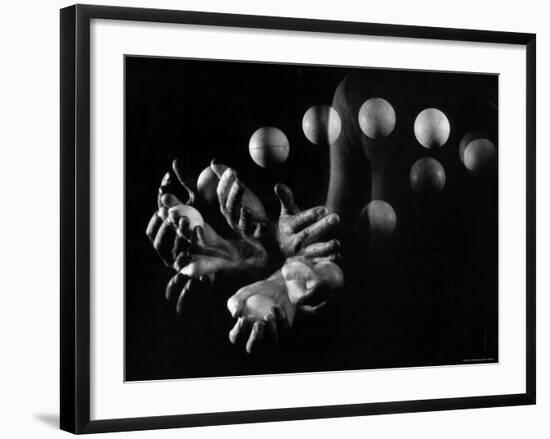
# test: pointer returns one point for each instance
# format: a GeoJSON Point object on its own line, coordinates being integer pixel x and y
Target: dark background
{"type": "Point", "coordinates": [430, 297]}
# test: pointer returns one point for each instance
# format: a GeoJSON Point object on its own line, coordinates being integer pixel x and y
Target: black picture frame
{"type": "Point", "coordinates": [75, 217]}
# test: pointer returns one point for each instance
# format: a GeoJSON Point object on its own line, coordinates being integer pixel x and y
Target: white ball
{"type": "Point", "coordinates": [207, 184]}
{"type": "Point", "coordinates": [268, 147]}
{"type": "Point", "coordinates": [432, 128]}
{"type": "Point", "coordinates": [376, 118]}
{"type": "Point", "coordinates": [321, 124]}
{"type": "Point", "coordinates": [193, 215]}
{"type": "Point", "coordinates": [466, 139]}
{"type": "Point", "coordinates": [427, 176]}
{"type": "Point", "coordinates": [479, 154]}
{"type": "Point", "coordinates": [330, 273]}
{"type": "Point", "coordinates": [380, 218]}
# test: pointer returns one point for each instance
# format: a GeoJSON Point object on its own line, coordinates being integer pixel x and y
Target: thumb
{"type": "Point", "coordinates": [284, 194]}
{"type": "Point", "coordinates": [235, 303]}
{"type": "Point", "coordinates": [235, 306]}
{"type": "Point", "coordinates": [185, 177]}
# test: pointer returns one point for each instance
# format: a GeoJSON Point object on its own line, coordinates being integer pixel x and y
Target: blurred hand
{"type": "Point", "coordinates": [180, 183]}
{"type": "Point", "coordinates": [302, 232]}
{"type": "Point", "coordinates": [241, 208]}
{"type": "Point", "coordinates": [263, 311]}
{"type": "Point", "coordinates": [311, 286]}
{"type": "Point", "coordinates": [211, 255]}
{"type": "Point", "coordinates": [194, 249]}
{"type": "Point", "coordinates": [163, 235]}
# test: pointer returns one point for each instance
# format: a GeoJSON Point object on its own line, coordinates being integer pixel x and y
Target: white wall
{"type": "Point", "coordinates": [29, 169]}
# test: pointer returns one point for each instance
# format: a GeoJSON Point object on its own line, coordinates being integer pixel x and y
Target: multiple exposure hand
{"type": "Point", "coordinates": [211, 255]}
{"type": "Point", "coordinates": [311, 286]}
{"type": "Point", "coordinates": [302, 232]}
{"type": "Point", "coordinates": [241, 208]}
{"type": "Point", "coordinates": [200, 256]}
{"type": "Point", "coordinates": [263, 310]}
{"type": "Point", "coordinates": [195, 250]}
{"type": "Point", "coordinates": [266, 308]}
{"type": "Point", "coordinates": [180, 184]}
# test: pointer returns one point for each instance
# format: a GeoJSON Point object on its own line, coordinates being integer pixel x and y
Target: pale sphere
{"type": "Point", "coordinates": [466, 139]}
{"type": "Point", "coordinates": [427, 176]}
{"type": "Point", "coordinates": [268, 147]}
{"type": "Point", "coordinates": [193, 215]}
{"type": "Point", "coordinates": [330, 273]}
{"type": "Point", "coordinates": [207, 184]}
{"type": "Point", "coordinates": [321, 125]}
{"type": "Point", "coordinates": [432, 128]}
{"type": "Point", "coordinates": [479, 155]}
{"type": "Point", "coordinates": [376, 118]}
{"type": "Point", "coordinates": [380, 218]}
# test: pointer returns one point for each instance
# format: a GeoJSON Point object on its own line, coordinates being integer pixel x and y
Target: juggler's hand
{"type": "Point", "coordinates": [263, 311]}
{"type": "Point", "coordinates": [302, 232]}
{"type": "Point", "coordinates": [194, 249]}
{"type": "Point", "coordinates": [240, 207]}
{"type": "Point", "coordinates": [311, 286]}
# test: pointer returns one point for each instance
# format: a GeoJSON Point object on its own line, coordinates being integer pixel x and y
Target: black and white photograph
{"type": "Point", "coordinates": [275, 219]}
{"type": "Point", "coordinates": [292, 218]}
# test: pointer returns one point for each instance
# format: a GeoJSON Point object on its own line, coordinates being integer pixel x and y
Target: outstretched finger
{"type": "Point", "coordinates": [224, 186]}
{"type": "Point", "coordinates": [234, 200]}
{"type": "Point", "coordinates": [285, 196]}
{"type": "Point", "coordinates": [307, 218]}
{"type": "Point", "coordinates": [240, 330]}
{"type": "Point", "coordinates": [175, 286]}
{"type": "Point", "coordinates": [256, 337]}
{"type": "Point", "coordinates": [315, 232]}
{"type": "Point", "coordinates": [154, 224]}
{"type": "Point", "coordinates": [246, 224]}
{"type": "Point", "coordinates": [187, 290]}
{"type": "Point", "coordinates": [322, 249]}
